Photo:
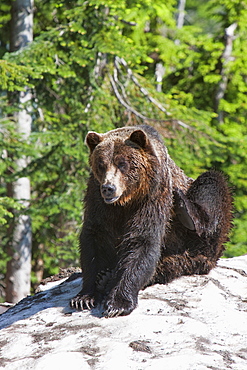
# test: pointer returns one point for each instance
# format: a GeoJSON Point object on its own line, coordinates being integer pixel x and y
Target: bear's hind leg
{"type": "Point", "coordinates": [199, 229]}
{"type": "Point", "coordinates": [208, 203]}
{"type": "Point", "coordinates": [174, 266]}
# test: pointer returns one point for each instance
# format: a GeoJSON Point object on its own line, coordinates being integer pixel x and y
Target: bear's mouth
{"type": "Point", "coordinates": [111, 200]}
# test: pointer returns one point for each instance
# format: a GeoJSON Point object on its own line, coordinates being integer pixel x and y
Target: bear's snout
{"type": "Point", "coordinates": [108, 192]}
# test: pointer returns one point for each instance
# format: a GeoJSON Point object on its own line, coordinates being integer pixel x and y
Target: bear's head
{"type": "Point", "coordinates": [124, 163]}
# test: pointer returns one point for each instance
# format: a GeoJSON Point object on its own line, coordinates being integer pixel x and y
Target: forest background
{"type": "Point", "coordinates": [180, 66]}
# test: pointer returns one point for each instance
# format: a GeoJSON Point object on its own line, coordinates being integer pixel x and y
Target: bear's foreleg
{"type": "Point", "coordinates": [133, 271]}
{"type": "Point", "coordinates": [85, 299]}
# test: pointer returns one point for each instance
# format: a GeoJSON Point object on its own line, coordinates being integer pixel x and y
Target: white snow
{"type": "Point", "coordinates": [193, 323]}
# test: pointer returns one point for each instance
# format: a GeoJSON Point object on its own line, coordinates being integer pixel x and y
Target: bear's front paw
{"type": "Point", "coordinates": [82, 302]}
{"type": "Point", "coordinates": [117, 305]}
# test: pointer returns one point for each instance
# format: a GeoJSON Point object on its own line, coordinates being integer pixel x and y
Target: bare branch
{"type": "Point", "coordinates": [121, 100]}
{"type": "Point", "coordinates": [114, 81]}
{"type": "Point", "coordinates": [115, 74]}
{"type": "Point", "coordinates": [142, 89]}
{"type": "Point", "coordinates": [147, 95]}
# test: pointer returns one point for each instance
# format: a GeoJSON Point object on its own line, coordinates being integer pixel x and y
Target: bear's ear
{"type": "Point", "coordinates": [92, 140]}
{"type": "Point", "coordinates": [140, 138]}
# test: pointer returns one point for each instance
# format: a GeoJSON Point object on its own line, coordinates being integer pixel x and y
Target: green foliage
{"type": "Point", "coordinates": [7, 203]}
{"type": "Point", "coordinates": [13, 77]}
{"type": "Point", "coordinates": [71, 67]}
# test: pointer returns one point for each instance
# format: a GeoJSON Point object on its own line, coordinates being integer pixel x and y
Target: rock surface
{"type": "Point", "coordinates": [193, 323]}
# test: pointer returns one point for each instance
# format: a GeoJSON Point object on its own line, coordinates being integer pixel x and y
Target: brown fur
{"type": "Point", "coordinates": [145, 221]}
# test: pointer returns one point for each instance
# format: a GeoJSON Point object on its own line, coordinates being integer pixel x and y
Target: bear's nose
{"type": "Point", "coordinates": [108, 190]}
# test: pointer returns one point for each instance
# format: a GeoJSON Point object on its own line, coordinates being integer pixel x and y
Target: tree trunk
{"type": "Point", "coordinates": [160, 69]}
{"type": "Point", "coordinates": [19, 266]}
{"type": "Point", "coordinates": [180, 17]}
{"type": "Point", "coordinates": [159, 74]}
{"type": "Point", "coordinates": [226, 58]}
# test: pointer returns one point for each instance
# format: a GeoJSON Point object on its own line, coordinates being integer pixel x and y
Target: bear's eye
{"type": "Point", "coordinates": [123, 165]}
{"type": "Point", "coordinates": [101, 166]}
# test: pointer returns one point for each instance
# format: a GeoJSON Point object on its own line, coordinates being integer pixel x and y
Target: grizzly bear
{"type": "Point", "coordinates": [145, 221]}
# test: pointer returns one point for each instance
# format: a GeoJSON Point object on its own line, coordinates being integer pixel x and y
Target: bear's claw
{"type": "Point", "coordinates": [82, 302]}
{"type": "Point", "coordinates": [116, 305]}
{"type": "Point", "coordinates": [111, 312]}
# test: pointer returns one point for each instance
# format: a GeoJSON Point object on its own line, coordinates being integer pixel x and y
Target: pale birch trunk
{"type": "Point", "coordinates": [226, 58]}
{"type": "Point", "coordinates": [19, 267]}
{"type": "Point", "coordinates": [160, 69]}
{"type": "Point", "coordinates": [180, 17]}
